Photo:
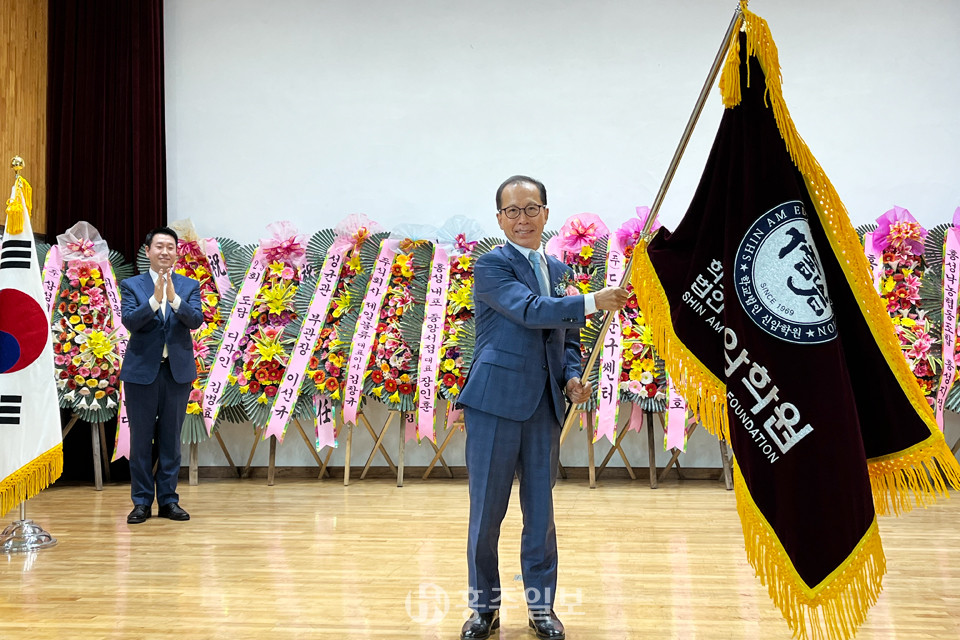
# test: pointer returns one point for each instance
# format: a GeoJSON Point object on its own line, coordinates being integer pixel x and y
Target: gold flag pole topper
{"type": "Point", "coordinates": [732, 29]}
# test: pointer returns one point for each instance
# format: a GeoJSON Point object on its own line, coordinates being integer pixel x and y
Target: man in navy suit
{"type": "Point", "coordinates": [527, 356]}
{"type": "Point", "coordinates": [159, 309]}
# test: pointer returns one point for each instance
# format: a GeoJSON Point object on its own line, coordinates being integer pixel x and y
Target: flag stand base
{"type": "Point", "coordinates": [23, 536]}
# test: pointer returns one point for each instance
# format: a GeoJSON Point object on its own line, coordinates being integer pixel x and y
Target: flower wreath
{"type": "Point", "coordinates": [643, 379]}
{"type": "Point", "coordinates": [328, 365]}
{"type": "Point", "coordinates": [932, 297]}
{"type": "Point", "coordinates": [899, 238]}
{"type": "Point", "coordinates": [85, 332]}
{"type": "Point", "coordinates": [581, 244]}
{"type": "Point", "coordinates": [260, 359]}
{"type": "Point", "coordinates": [391, 373]}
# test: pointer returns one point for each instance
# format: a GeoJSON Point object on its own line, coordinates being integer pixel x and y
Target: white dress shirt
{"type": "Point", "coordinates": [160, 304]}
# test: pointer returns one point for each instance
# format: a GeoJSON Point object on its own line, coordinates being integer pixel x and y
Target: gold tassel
{"type": "Point", "coordinates": [900, 473]}
{"type": "Point", "coordinates": [15, 212]}
{"type": "Point", "coordinates": [836, 607]}
{"type": "Point", "coordinates": [31, 479]}
{"type": "Point", "coordinates": [705, 393]}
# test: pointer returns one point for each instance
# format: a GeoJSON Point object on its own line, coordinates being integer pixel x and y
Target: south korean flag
{"type": "Point", "coordinates": [31, 455]}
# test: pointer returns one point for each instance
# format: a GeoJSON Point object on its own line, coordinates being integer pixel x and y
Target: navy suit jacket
{"type": "Point", "coordinates": [150, 330]}
{"type": "Point", "coordinates": [524, 339]}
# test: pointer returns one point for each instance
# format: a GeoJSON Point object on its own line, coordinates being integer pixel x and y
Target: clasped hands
{"type": "Point", "coordinates": [164, 283]}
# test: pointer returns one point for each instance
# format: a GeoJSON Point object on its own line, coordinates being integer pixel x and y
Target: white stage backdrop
{"type": "Point", "coordinates": [412, 111]}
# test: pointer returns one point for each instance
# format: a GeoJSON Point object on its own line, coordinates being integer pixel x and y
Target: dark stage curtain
{"type": "Point", "coordinates": [106, 151]}
{"type": "Point", "coordinates": [106, 161]}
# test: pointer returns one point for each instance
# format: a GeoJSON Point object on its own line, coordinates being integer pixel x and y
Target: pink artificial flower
{"type": "Point", "coordinates": [97, 299]}
{"type": "Point", "coordinates": [900, 231]}
{"type": "Point", "coordinates": [581, 230]}
{"type": "Point", "coordinates": [196, 395]}
{"type": "Point", "coordinates": [921, 346]}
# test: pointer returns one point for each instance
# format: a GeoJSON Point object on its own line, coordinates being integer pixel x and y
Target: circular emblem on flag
{"type": "Point", "coordinates": [779, 278]}
{"type": "Point", "coordinates": [23, 330]}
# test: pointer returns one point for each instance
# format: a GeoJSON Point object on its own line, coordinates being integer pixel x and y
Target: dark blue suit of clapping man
{"type": "Point", "coordinates": [527, 357]}
{"type": "Point", "coordinates": [159, 309]}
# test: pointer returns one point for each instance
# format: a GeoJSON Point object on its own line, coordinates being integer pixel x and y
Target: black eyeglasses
{"type": "Point", "coordinates": [532, 210]}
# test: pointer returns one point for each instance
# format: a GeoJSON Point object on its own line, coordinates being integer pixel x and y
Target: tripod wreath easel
{"type": "Point", "coordinates": [272, 462]}
{"type": "Point", "coordinates": [101, 460]}
{"type": "Point", "coordinates": [378, 445]}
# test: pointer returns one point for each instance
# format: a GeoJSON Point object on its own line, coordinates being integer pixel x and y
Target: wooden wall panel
{"type": "Point", "coordinates": [23, 99]}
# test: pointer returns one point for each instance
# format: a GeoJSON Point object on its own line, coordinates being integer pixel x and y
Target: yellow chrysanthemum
{"type": "Point", "coordinates": [646, 335]}
{"type": "Point", "coordinates": [354, 262]}
{"type": "Point", "coordinates": [586, 252]}
{"type": "Point", "coordinates": [99, 344]}
{"type": "Point", "coordinates": [462, 297]}
{"type": "Point", "coordinates": [406, 268]}
{"type": "Point", "coordinates": [888, 285]}
{"type": "Point", "coordinates": [342, 303]}
{"type": "Point", "coordinates": [448, 365]}
{"type": "Point", "coordinates": [279, 297]}
{"type": "Point", "coordinates": [636, 372]}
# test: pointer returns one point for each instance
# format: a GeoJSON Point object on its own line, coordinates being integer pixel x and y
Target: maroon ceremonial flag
{"type": "Point", "coordinates": [762, 304]}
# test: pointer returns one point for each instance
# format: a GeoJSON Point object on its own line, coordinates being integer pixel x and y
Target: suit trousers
{"type": "Point", "coordinates": [156, 412]}
{"type": "Point", "coordinates": [496, 449]}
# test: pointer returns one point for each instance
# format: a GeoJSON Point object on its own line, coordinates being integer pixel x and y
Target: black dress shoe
{"type": "Point", "coordinates": [173, 511]}
{"type": "Point", "coordinates": [479, 625]}
{"type": "Point", "coordinates": [139, 514]}
{"type": "Point", "coordinates": [546, 624]}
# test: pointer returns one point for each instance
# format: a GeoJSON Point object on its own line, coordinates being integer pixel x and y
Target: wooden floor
{"type": "Point", "coordinates": [309, 559]}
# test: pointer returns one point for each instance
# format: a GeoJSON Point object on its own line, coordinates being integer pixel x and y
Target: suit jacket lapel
{"type": "Point", "coordinates": [555, 268]}
{"type": "Point", "coordinates": [146, 284]}
{"type": "Point", "coordinates": [523, 267]}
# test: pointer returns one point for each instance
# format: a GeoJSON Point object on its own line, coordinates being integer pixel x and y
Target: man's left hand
{"type": "Point", "coordinates": [171, 294]}
{"type": "Point", "coordinates": [578, 391]}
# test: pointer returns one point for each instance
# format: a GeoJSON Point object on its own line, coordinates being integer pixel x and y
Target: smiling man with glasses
{"type": "Point", "coordinates": [527, 357]}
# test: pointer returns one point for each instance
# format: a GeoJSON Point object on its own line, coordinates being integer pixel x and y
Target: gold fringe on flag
{"type": "Point", "coordinates": [704, 392]}
{"type": "Point", "coordinates": [31, 479]}
{"type": "Point", "coordinates": [838, 605]}
{"type": "Point", "coordinates": [893, 477]}
{"type": "Point", "coordinates": [15, 212]}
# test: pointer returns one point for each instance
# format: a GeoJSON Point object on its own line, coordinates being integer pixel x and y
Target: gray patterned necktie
{"type": "Point", "coordinates": [536, 261]}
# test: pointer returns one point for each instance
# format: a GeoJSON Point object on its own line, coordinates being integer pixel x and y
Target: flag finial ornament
{"type": "Point", "coordinates": [15, 212]}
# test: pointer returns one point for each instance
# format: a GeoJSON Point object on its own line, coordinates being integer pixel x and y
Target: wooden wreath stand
{"type": "Point", "coordinates": [438, 457]}
{"type": "Point", "coordinates": [101, 459]}
{"type": "Point", "coordinates": [193, 466]}
{"type": "Point", "coordinates": [272, 464]}
{"type": "Point", "coordinates": [726, 474]}
{"type": "Point", "coordinates": [594, 471]}
{"type": "Point", "coordinates": [378, 445]}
